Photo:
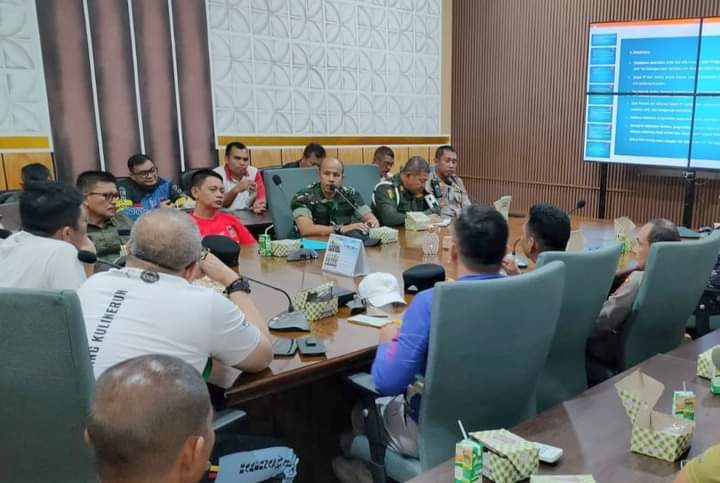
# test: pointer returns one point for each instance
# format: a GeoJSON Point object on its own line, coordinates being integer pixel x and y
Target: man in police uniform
{"type": "Point", "coordinates": [323, 208]}
{"type": "Point", "coordinates": [452, 194]}
{"type": "Point", "coordinates": [107, 229]}
{"type": "Point", "coordinates": [405, 192]}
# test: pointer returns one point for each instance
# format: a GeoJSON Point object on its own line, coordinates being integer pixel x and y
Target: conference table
{"type": "Point", "coordinates": [594, 430]}
{"type": "Point", "coordinates": [350, 346]}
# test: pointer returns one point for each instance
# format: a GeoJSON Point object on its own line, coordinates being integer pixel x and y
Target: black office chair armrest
{"type": "Point", "coordinates": [225, 417]}
{"type": "Point", "coordinates": [363, 381]}
{"type": "Point", "coordinates": [373, 425]}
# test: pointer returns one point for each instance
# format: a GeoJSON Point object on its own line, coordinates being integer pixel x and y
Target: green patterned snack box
{"type": "Point", "coordinates": [468, 461]}
{"type": "Point", "coordinates": [705, 366]}
{"type": "Point", "coordinates": [316, 307]}
{"type": "Point", "coordinates": [281, 248]}
{"type": "Point", "coordinates": [655, 434]}
{"type": "Point", "coordinates": [507, 457]}
{"type": "Point", "coordinates": [562, 479]}
{"type": "Point", "coordinates": [385, 234]}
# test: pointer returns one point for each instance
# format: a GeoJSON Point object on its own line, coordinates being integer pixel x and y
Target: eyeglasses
{"type": "Point", "coordinates": [147, 173]}
{"type": "Point", "coordinates": [108, 196]}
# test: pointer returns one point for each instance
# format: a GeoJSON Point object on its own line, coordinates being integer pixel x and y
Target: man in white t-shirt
{"type": "Point", "coordinates": [44, 254]}
{"type": "Point", "coordinates": [150, 307]}
{"type": "Point", "coordinates": [244, 187]}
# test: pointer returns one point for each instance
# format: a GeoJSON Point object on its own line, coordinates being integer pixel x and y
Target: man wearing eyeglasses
{"type": "Point", "coordinates": [107, 228]}
{"type": "Point", "coordinates": [145, 190]}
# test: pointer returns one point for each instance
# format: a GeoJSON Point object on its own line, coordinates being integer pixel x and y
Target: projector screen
{"type": "Point", "coordinates": [653, 93]}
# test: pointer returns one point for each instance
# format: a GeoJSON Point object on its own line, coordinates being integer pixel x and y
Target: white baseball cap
{"type": "Point", "coordinates": [380, 289]}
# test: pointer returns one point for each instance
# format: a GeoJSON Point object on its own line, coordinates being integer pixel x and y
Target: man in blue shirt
{"type": "Point", "coordinates": [477, 251]}
{"type": "Point", "coordinates": [145, 190]}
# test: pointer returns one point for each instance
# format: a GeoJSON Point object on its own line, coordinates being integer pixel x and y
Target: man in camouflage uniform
{"type": "Point", "coordinates": [452, 194]}
{"type": "Point", "coordinates": [405, 192]}
{"type": "Point", "coordinates": [107, 229]}
{"type": "Point", "coordinates": [319, 209]}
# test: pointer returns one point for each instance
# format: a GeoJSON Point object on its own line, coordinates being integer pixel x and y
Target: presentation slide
{"type": "Point", "coordinates": [653, 93]}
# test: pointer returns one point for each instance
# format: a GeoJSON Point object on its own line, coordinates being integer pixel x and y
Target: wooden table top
{"type": "Point", "coordinates": [594, 431]}
{"type": "Point", "coordinates": [348, 345]}
{"type": "Point", "coordinates": [251, 219]}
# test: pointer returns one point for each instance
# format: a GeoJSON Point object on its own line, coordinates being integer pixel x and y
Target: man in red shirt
{"type": "Point", "coordinates": [209, 192]}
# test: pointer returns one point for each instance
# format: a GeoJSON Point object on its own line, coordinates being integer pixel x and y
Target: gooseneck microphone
{"type": "Point", "coordinates": [578, 206]}
{"type": "Point", "coordinates": [277, 181]}
{"type": "Point", "coordinates": [335, 189]}
{"type": "Point", "coordinates": [290, 320]}
{"type": "Point", "coordinates": [89, 257]}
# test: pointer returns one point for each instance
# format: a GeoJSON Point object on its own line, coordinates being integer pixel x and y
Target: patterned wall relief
{"type": "Point", "coordinates": [331, 67]}
{"type": "Point", "coordinates": [23, 96]}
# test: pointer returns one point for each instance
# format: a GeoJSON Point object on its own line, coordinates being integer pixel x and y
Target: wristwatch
{"type": "Point", "coordinates": [337, 229]}
{"type": "Point", "coordinates": [239, 285]}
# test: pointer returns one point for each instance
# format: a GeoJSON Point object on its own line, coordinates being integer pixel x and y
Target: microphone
{"type": "Point", "coordinates": [290, 320]}
{"type": "Point", "coordinates": [578, 206]}
{"type": "Point", "coordinates": [335, 189]}
{"type": "Point", "coordinates": [301, 253]}
{"type": "Point", "coordinates": [277, 181]}
{"type": "Point", "coordinates": [89, 257]}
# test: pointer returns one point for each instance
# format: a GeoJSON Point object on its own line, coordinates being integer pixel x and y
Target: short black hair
{"type": "Point", "coordinates": [137, 159]}
{"type": "Point", "coordinates": [314, 149]}
{"type": "Point", "coordinates": [170, 403]}
{"type": "Point", "coordinates": [34, 173]}
{"type": "Point", "coordinates": [662, 230]}
{"type": "Point", "coordinates": [550, 226]}
{"type": "Point", "coordinates": [441, 150]}
{"type": "Point", "coordinates": [481, 233]}
{"type": "Point", "coordinates": [383, 151]}
{"type": "Point", "coordinates": [47, 207]}
{"type": "Point", "coordinates": [199, 177]}
{"type": "Point", "coordinates": [235, 144]}
{"type": "Point", "coordinates": [416, 164]}
{"type": "Point", "coordinates": [88, 179]}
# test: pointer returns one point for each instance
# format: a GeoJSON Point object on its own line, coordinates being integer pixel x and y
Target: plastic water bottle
{"type": "Point", "coordinates": [431, 242]}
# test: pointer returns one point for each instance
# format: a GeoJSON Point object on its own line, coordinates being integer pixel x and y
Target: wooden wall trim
{"type": "Point", "coordinates": [518, 89]}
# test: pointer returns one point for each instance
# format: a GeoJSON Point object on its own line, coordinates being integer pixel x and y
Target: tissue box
{"type": "Point", "coordinates": [280, 248]}
{"type": "Point", "coordinates": [655, 434]}
{"type": "Point", "coordinates": [416, 221]}
{"type": "Point", "coordinates": [705, 366]}
{"type": "Point", "coordinates": [507, 457]}
{"type": "Point", "coordinates": [385, 234]}
{"type": "Point", "coordinates": [316, 303]}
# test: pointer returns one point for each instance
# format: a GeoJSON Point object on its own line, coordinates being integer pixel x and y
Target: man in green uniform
{"type": "Point", "coordinates": [322, 208]}
{"type": "Point", "coordinates": [405, 192]}
{"type": "Point", "coordinates": [107, 229]}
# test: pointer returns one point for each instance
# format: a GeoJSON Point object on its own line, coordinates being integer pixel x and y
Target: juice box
{"type": "Point", "coordinates": [468, 461]}
{"type": "Point", "coordinates": [684, 404]}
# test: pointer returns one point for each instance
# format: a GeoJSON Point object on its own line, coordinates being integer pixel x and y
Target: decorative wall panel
{"type": "Point", "coordinates": [24, 122]}
{"type": "Point", "coordinates": [325, 67]}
